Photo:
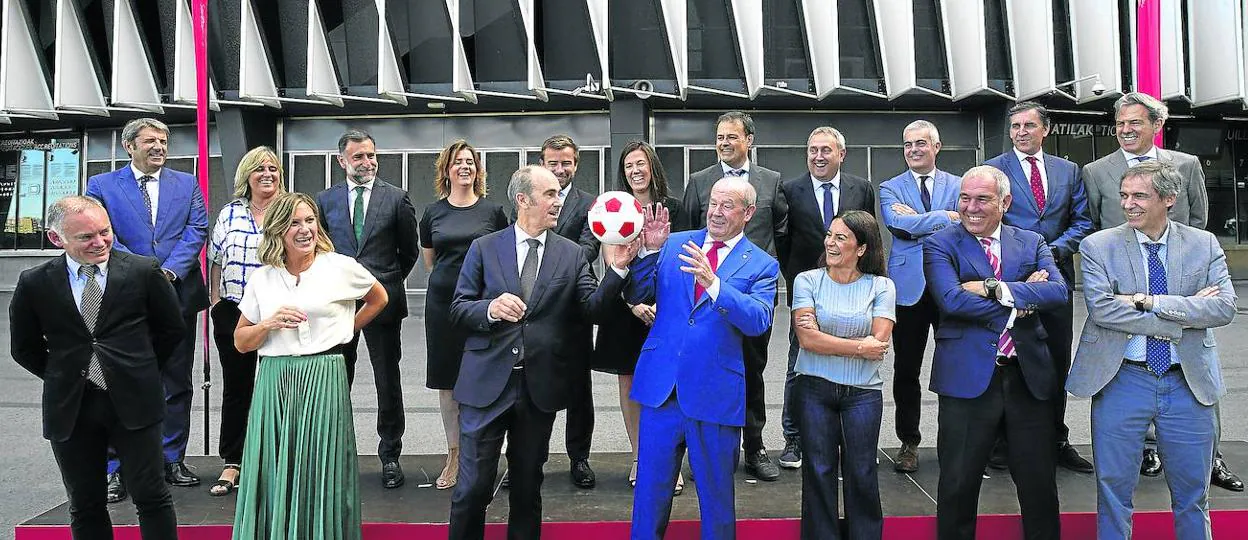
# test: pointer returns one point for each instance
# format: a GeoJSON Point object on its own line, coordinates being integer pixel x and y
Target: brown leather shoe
{"type": "Point", "coordinates": [907, 460]}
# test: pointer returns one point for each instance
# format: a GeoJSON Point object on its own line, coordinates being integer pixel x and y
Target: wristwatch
{"type": "Point", "coordinates": [990, 287]}
{"type": "Point", "coordinates": [1138, 300]}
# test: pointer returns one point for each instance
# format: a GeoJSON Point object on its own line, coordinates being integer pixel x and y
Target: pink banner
{"type": "Point", "coordinates": [1148, 51]}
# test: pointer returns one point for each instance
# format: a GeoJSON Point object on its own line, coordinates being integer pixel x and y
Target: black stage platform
{"type": "Point", "coordinates": [764, 509]}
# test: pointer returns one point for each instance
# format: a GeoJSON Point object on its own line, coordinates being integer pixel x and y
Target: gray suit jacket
{"type": "Point", "coordinates": [771, 216]}
{"type": "Point", "coordinates": [1103, 178]}
{"type": "Point", "coordinates": [1113, 264]}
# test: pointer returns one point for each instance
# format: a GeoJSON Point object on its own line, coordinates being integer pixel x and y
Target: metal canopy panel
{"type": "Point", "coordinates": [822, 31]}
{"type": "Point", "coordinates": [76, 84]}
{"type": "Point", "coordinates": [1031, 47]}
{"type": "Point", "coordinates": [599, 21]}
{"type": "Point", "coordinates": [1097, 51]}
{"type": "Point", "coordinates": [23, 86]}
{"type": "Point", "coordinates": [968, 58]}
{"type": "Point", "coordinates": [1215, 36]}
{"type": "Point", "coordinates": [895, 22]}
{"type": "Point", "coordinates": [748, 18]}
{"type": "Point", "coordinates": [322, 82]}
{"type": "Point", "coordinates": [537, 82]}
{"type": "Point", "coordinates": [461, 76]}
{"type": "Point", "coordinates": [1173, 65]}
{"type": "Point", "coordinates": [134, 84]}
{"type": "Point", "coordinates": [390, 80]}
{"type": "Point", "coordinates": [675, 17]}
{"type": "Point", "coordinates": [255, 75]}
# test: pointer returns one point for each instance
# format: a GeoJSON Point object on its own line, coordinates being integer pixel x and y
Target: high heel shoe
{"type": "Point", "coordinates": [223, 486]}
{"type": "Point", "coordinates": [450, 472]}
{"type": "Point", "coordinates": [632, 475]}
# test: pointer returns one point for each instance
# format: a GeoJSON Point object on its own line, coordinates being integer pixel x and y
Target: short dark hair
{"type": "Point", "coordinates": [559, 142]}
{"type": "Point", "coordinates": [746, 121]}
{"type": "Point", "coordinates": [353, 135]}
{"type": "Point", "coordinates": [658, 177]}
{"type": "Point", "coordinates": [1025, 106]}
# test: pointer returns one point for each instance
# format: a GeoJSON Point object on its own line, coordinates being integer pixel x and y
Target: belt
{"type": "Point", "coordinates": [1173, 367]}
{"type": "Point", "coordinates": [336, 349]}
{"type": "Point", "coordinates": [1003, 361]}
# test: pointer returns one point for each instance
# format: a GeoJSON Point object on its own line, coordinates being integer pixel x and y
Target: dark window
{"type": "Point", "coordinates": [588, 176]}
{"type": "Point", "coordinates": [860, 54]}
{"type": "Point", "coordinates": [390, 168]}
{"type": "Point", "coordinates": [308, 174]}
{"type": "Point", "coordinates": [1126, 42]}
{"type": "Point", "coordinates": [789, 161]}
{"type": "Point", "coordinates": [500, 165]}
{"type": "Point", "coordinates": [1063, 48]}
{"type": "Point", "coordinates": [565, 41]}
{"type": "Point", "coordinates": [929, 44]}
{"type": "Point", "coordinates": [701, 158]}
{"type": "Point", "coordinates": [351, 28]}
{"type": "Point", "coordinates": [95, 20]}
{"type": "Point", "coordinates": [997, 34]}
{"type": "Point", "coordinates": [422, 39]}
{"type": "Point", "coordinates": [158, 39]}
{"type": "Point", "coordinates": [420, 176]}
{"type": "Point", "coordinates": [785, 54]}
{"type": "Point", "coordinates": [673, 160]}
{"type": "Point", "coordinates": [639, 42]}
{"type": "Point", "coordinates": [274, 33]}
{"type": "Point", "coordinates": [221, 190]}
{"type": "Point", "coordinates": [713, 51]}
{"type": "Point", "coordinates": [496, 43]}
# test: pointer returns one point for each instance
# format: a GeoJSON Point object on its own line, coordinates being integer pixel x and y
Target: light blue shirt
{"type": "Point", "coordinates": [78, 283]}
{"type": "Point", "coordinates": [1136, 344]}
{"type": "Point", "coordinates": [844, 310]}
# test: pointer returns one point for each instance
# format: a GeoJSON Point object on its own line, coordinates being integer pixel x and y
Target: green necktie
{"type": "Point", "coordinates": [357, 216]}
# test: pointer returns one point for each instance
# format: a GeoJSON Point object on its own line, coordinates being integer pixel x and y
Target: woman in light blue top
{"type": "Point", "coordinates": [843, 316]}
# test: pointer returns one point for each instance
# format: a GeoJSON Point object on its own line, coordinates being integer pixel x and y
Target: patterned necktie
{"type": "Point", "coordinates": [1156, 351]}
{"type": "Point", "coordinates": [735, 172]}
{"type": "Point", "coordinates": [147, 197]}
{"type": "Point", "coordinates": [829, 207]}
{"type": "Point", "coordinates": [1005, 344]}
{"type": "Point", "coordinates": [712, 256]}
{"type": "Point", "coordinates": [924, 195]}
{"type": "Point", "coordinates": [1037, 187]}
{"type": "Point", "coordinates": [528, 274]}
{"type": "Point", "coordinates": [90, 309]}
{"type": "Point", "coordinates": [357, 214]}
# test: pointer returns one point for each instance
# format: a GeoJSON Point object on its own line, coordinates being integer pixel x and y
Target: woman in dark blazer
{"type": "Point", "coordinates": [620, 338]}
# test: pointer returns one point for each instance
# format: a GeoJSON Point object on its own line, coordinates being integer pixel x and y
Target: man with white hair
{"type": "Point", "coordinates": [991, 367]}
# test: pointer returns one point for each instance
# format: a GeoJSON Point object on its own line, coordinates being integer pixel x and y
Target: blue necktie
{"type": "Point", "coordinates": [829, 209]}
{"type": "Point", "coordinates": [1157, 351]}
{"type": "Point", "coordinates": [924, 195]}
{"type": "Point", "coordinates": [1142, 159]}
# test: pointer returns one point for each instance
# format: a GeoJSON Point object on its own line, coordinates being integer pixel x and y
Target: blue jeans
{"type": "Point", "coordinates": [839, 424]}
{"type": "Point", "coordinates": [1121, 413]}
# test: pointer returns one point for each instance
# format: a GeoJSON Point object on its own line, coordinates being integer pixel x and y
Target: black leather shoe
{"type": "Point", "coordinates": [1068, 457]}
{"type": "Point", "coordinates": [582, 475]}
{"type": "Point", "coordinates": [1224, 478]}
{"type": "Point", "coordinates": [116, 489]}
{"type": "Point", "coordinates": [759, 465]}
{"type": "Point", "coordinates": [505, 483]}
{"type": "Point", "coordinates": [391, 474]}
{"type": "Point", "coordinates": [176, 474]}
{"type": "Point", "coordinates": [1151, 466]}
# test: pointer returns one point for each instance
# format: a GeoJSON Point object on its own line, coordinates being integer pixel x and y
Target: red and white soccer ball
{"type": "Point", "coordinates": [615, 218]}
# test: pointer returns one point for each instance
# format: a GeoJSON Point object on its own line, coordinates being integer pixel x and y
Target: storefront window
{"type": "Point", "coordinates": [34, 173]}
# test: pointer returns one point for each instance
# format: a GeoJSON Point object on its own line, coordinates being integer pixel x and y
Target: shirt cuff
{"type": "Point", "coordinates": [713, 290]}
{"type": "Point", "coordinates": [1003, 291]}
{"type": "Point", "coordinates": [623, 273]}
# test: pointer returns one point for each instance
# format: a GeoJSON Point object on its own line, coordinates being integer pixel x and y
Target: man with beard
{"type": "Point", "coordinates": [374, 222]}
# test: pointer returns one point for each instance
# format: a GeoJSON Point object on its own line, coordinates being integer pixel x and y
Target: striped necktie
{"type": "Point", "coordinates": [90, 309]}
{"type": "Point", "coordinates": [1005, 344]}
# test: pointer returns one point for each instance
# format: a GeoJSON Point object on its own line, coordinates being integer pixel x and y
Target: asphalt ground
{"type": "Point", "coordinates": [30, 482]}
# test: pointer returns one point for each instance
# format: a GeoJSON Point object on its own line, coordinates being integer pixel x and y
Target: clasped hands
{"type": "Point", "coordinates": [977, 287]}
{"type": "Point", "coordinates": [868, 348]}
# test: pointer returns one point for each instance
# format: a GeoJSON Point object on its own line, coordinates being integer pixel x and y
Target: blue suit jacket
{"type": "Point", "coordinates": [695, 348]}
{"type": "Point", "coordinates": [970, 325]}
{"type": "Point", "coordinates": [1065, 221]}
{"type": "Point", "coordinates": [905, 260]}
{"type": "Point", "coordinates": [179, 233]}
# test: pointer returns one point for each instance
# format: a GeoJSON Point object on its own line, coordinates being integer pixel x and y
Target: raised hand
{"type": "Point", "coordinates": [699, 265]}
{"type": "Point", "coordinates": [622, 255]}
{"type": "Point", "coordinates": [657, 226]}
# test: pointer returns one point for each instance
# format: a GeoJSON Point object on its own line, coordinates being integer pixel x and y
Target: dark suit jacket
{"type": "Point", "coordinates": [573, 222]}
{"type": "Point", "coordinates": [1065, 221]}
{"type": "Point", "coordinates": [770, 221]}
{"type": "Point", "coordinates": [137, 327]}
{"type": "Point", "coordinates": [177, 237]}
{"type": "Point", "coordinates": [565, 295]}
{"type": "Point", "coordinates": [970, 325]}
{"type": "Point", "coordinates": [802, 247]}
{"type": "Point", "coordinates": [389, 247]}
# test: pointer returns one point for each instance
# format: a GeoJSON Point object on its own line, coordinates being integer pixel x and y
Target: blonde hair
{"type": "Point", "coordinates": [272, 249]}
{"type": "Point", "coordinates": [250, 162]}
{"type": "Point", "coordinates": [442, 182]}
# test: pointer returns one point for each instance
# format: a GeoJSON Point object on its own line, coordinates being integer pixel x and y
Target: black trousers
{"type": "Point", "coordinates": [385, 348]}
{"type": "Point", "coordinates": [481, 433]}
{"type": "Point", "coordinates": [967, 430]}
{"type": "Point", "coordinates": [1060, 325]}
{"type": "Point", "coordinates": [580, 422]}
{"type": "Point", "coordinates": [238, 377]}
{"type": "Point", "coordinates": [83, 459]}
{"type": "Point", "coordinates": [910, 339]}
{"type": "Point", "coordinates": [755, 351]}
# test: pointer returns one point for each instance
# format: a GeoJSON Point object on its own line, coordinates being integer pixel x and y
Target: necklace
{"type": "Point", "coordinates": [258, 209]}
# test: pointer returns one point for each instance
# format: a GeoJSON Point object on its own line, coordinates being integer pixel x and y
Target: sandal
{"type": "Point", "coordinates": [632, 475]}
{"type": "Point", "coordinates": [450, 471]}
{"type": "Point", "coordinates": [225, 487]}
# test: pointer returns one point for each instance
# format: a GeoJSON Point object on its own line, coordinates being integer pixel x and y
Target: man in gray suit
{"type": "Point", "coordinates": [374, 222]}
{"type": "Point", "coordinates": [1138, 118]}
{"type": "Point", "coordinates": [734, 135]}
{"type": "Point", "coordinates": [1155, 288]}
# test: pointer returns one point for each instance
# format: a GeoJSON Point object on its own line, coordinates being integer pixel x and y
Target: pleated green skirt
{"type": "Point", "coordinates": [300, 475]}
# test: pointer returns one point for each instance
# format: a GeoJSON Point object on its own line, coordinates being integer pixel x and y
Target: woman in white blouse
{"type": "Point", "coordinates": [234, 255]}
{"type": "Point", "coordinates": [298, 310]}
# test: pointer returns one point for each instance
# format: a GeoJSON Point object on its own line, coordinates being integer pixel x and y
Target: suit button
{"type": "Point", "coordinates": [515, 350]}
{"type": "Point", "coordinates": [690, 322]}
{"type": "Point", "coordinates": [84, 373]}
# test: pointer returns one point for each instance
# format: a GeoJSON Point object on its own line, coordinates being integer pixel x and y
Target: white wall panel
{"type": "Point", "coordinates": [675, 20]}
{"type": "Point", "coordinates": [1215, 36]}
{"type": "Point", "coordinates": [133, 83]}
{"type": "Point", "coordinates": [894, 21]}
{"type": "Point", "coordinates": [964, 43]}
{"type": "Point", "coordinates": [1173, 64]}
{"type": "Point", "coordinates": [76, 85]}
{"type": "Point", "coordinates": [1031, 47]}
{"type": "Point", "coordinates": [255, 74]}
{"type": "Point", "coordinates": [748, 17]}
{"type": "Point", "coordinates": [1095, 32]}
{"type": "Point", "coordinates": [823, 38]}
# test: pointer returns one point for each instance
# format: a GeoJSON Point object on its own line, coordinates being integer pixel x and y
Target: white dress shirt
{"type": "Point", "coordinates": [1044, 174]}
{"type": "Point", "coordinates": [522, 247]}
{"type": "Point", "coordinates": [153, 188]}
{"type": "Point", "coordinates": [368, 195]}
{"type": "Point", "coordinates": [713, 290]}
{"type": "Point", "coordinates": [1133, 159]}
{"type": "Point", "coordinates": [745, 167]}
{"type": "Point", "coordinates": [836, 192]}
{"type": "Point", "coordinates": [1005, 298]}
{"type": "Point", "coordinates": [931, 183]}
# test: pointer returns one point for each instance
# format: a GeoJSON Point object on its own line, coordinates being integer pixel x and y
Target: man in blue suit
{"type": "Point", "coordinates": [522, 295]}
{"type": "Point", "coordinates": [991, 366]}
{"type": "Point", "coordinates": [159, 213]}
{"type": "Point", "coordinates": [914, 204]}
{"type": "Point", "coordinates": [1050, 199]}
{"type": "Point", "coordinates": [712, 288]}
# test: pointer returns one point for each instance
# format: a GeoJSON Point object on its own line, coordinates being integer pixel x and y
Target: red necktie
{"type": "Point", "coordinates": [1005, 345]}
{"type": "Point", "coordinates": [712, 256]}
{"type": "Point", "coordinates": [1037, 187]}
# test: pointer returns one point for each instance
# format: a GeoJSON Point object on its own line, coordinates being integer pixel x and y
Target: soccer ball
{"type": "Point", "coordinates": [615, 218]}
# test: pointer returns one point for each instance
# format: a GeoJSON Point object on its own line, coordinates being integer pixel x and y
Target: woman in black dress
{"type": "Point", "coordinates": [620, 338]}
{"type": "Point", "coordinates": [447, 228]}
